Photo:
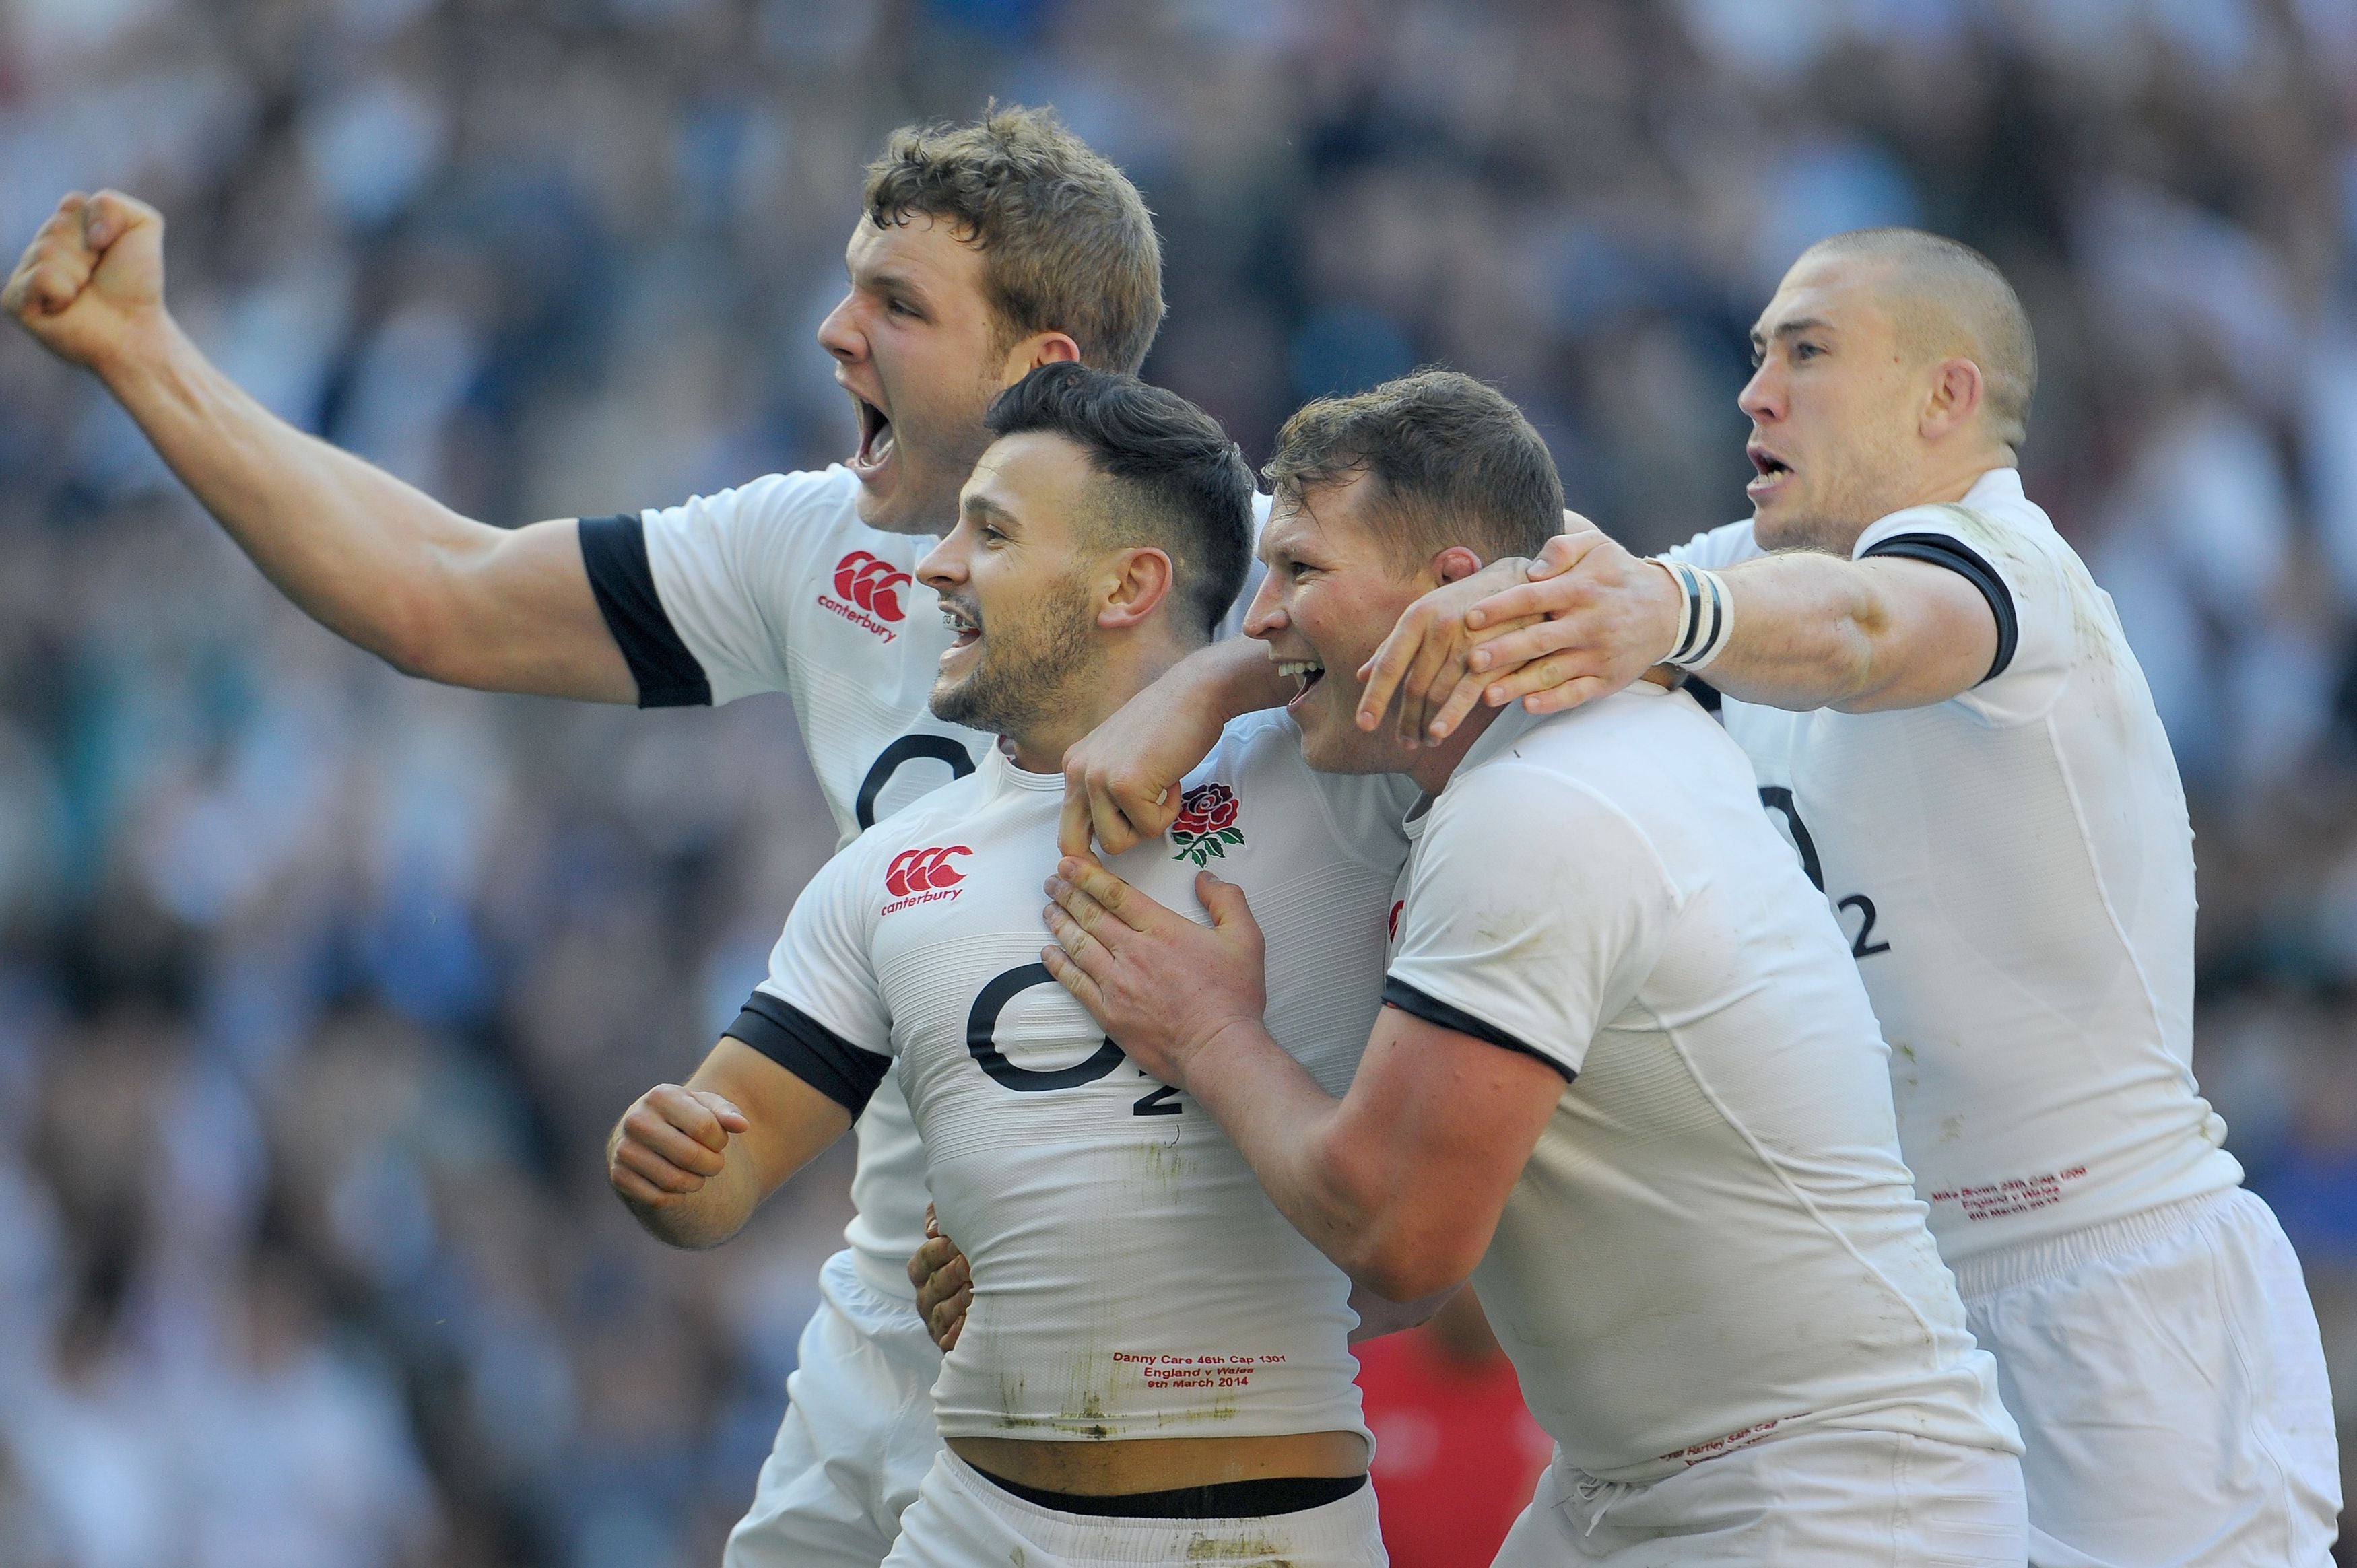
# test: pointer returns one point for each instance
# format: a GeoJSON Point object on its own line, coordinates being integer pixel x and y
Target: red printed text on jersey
{"type": "Point", "coordinates": [868, 594]}
{"type": "Point", "coordinates": [923, 876]}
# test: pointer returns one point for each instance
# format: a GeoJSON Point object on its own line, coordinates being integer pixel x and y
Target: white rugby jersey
{"type": "Point", "coordinates": [2014, 871]}
{"type": "Point", "coordinates": [778, 586]}
{"type": "Point", "coordinates": [1715, 1237]}
{"type": "Point", "coordinates": [1131, 1279]}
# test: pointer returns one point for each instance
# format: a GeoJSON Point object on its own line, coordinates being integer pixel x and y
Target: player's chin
{"type": "Point", "coordinates": [1333, 743]}
{"type": "Point", "coordinates": [894, 501]}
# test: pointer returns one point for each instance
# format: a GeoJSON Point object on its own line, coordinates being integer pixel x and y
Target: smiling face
{"type": "Point", "coordinates": [1333, 592]}
{"type": "Point", "coordinates": [1013, 578]}
{"type": "Point", "coordinates": [1835, 407]}
{"type": "Point", "coordinates": [919, 348]}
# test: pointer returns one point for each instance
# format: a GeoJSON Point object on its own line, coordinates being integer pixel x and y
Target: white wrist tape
{"type": "Point", "coordinates": [1706, 616]}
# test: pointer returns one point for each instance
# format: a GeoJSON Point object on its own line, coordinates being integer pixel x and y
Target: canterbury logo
{"type": "Point", "coordinates": [923, 870]}
{"type": "Point", "coordinates": [872, 585]}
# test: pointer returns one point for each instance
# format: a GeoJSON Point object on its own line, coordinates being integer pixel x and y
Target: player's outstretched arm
{"type": "Point", "coordinates": [1121, 779]}
{"type": "Point", "coordinates": [376, 561]}
{"type": "Point", "coordinates": [694, 1161]}
{"type": "Point", "coordinates": [1811, 631]}
{"type": "Point", "coordinates": [1402, 1181]}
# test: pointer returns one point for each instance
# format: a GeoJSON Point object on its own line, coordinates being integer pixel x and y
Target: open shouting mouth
{"type": "Point", "coordinates": [1308, 671]}
{"type": "Point", "coordinates": [876, 446]}
{"type": "Point", "coordinates": [1770, 471]}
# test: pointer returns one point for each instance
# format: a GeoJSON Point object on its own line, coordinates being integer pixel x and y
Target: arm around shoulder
{"type": "Point", "coordinates": [1817, 632]}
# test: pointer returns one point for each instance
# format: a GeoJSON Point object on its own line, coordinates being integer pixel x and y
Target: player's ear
{"type": "Point", "coordinates": [1456, 561]}
{"type": "Point", "coordinates": [1954, 399]}
{"type": "Point", "coordinates": [1137, 582]}
{"type": "Point", "coordinates": [1038, 349]}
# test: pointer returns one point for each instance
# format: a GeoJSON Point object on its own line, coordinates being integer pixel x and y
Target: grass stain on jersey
{"type": "Point", "coordinates": [1258, 1549]}
{"type": "Point", "coordinates": [1161, 1166]}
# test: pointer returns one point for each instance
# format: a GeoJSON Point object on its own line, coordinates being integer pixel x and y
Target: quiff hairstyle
{"type": "Point", "coordinates": [1067, 242]}
{"type": "Point", "coordinates": [1946, 298]}
{"type": "Point", "coordinates": [1453, 460]}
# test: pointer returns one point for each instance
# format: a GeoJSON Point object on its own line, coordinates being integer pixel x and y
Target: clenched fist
{"type": "Point", "coordinates": [93, 279]}
{"type": "Point", "coordinates": [669, 1144]}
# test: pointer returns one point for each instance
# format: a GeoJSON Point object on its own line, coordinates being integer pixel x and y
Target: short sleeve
{"type": "Point", "coordinates": [821, 1014]}
{"type": "Point", "coordinates": [613, 554]}
{"type": "Point", "coordinates": [2023, 585]}
{"type": "Point", "coordinates": [1533, 914]}
{"type": "Point", "coordinates": [729, 569]}
{"type": "Point", "coordinates": [1719, 549]}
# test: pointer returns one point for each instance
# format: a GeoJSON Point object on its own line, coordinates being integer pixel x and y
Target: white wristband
{"type": "Point", "coordinates": [1705, 617]}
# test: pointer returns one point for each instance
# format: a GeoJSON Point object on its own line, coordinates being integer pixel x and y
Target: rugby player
{"type": "Point", "coordinates": [983, 251]}
{"type": "Point", "coordinates": [1625, 1077]}
{"type": "Point", "coordinates": [1155, 1367]}
{"type": "Point", "coordinates": [1944, 717]}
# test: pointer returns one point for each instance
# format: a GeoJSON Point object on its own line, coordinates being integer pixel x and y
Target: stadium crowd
{"type": "Point", "coordinates": [320, 987]}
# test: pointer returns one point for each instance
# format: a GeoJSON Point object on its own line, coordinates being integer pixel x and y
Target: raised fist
{"type": "Point", "coordinates": [92, 277]}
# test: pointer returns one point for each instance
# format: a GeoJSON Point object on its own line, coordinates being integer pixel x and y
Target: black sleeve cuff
{"type": "Point", "coordinates": [614, 549]}
{"type": "Point", "coordinates": [1399, 993]}
{"type": "Point", "coordinates": [799, 1043]}
{"type": "Point", "coordinates": [1939, 550]}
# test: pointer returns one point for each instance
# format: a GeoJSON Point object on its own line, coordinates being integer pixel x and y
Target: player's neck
{"type": "Point", "coordinates": [1433, 765]}
{"type": "Point", "coordinates": [1124, 669]}
{"type": "Point", "coordinates": [1952, 478]}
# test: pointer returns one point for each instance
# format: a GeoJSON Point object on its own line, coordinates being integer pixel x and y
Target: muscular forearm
{"type": "Point", "coordinates": [1285, 1126]}
{"type": "Point", "coordinates": [350, 543]}
{"type": "Point", "coordinates": [1818, 631]}
{"type": "Point", "coordinates": [1804, 630]}
{"type": "Point", "coordinates": [374, 560]}
{"type": "Point", "coordinates": [706, 1217]}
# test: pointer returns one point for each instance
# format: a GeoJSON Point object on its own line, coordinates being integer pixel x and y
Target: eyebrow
{"type": "Point", "coordinates": [983, 505]}
{"type": "Point", "coordinates": [1788, 328]}
{"type": "Point", "coordinates": [883, 281]}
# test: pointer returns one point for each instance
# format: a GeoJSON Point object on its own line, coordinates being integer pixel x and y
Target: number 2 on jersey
{"type": "Point", "coordinates": [1776, 798]}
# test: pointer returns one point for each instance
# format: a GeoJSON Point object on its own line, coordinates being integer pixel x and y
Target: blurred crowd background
{"type": "Point", "coordinates": [319, 988]}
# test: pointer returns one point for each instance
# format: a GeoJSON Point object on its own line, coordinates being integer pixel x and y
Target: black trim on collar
{"type": "Point", "coordinates": [1940, 549]}
{"type": "Point", "coordinates": [845, 1073]}
{"type": "Point", "coordinates": [1399, 993]}
{"type": "Point", "coordinates": [614, 549]}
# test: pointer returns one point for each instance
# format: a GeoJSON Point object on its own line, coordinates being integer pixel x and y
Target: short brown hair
{"type": "Point", "coordinates": [1947, 298]}
{"type": "Point", "coordinates": [1067, 242]}
{"type": "Point", "coordinates": [1457, 462]}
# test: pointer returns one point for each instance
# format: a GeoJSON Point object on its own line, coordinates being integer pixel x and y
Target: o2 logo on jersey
{"type": "Point", "coordinates": [870, 591]}
{"type": "Point", "coordinates": [982, 1042]}
{"type": "Point", "coordinates": [923, 876]}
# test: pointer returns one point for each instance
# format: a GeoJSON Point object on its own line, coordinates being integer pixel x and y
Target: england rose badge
{"type": "Point", "coordinates": [1207, 821]}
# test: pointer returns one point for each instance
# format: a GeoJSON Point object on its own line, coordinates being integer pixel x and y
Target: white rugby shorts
{"type": "Point", "coordinates": [2168, 1380]}
{"type": "Point", "coordinates": [1824, 1497]}
{"type": "Point", "coordinates": [961, 1519]}
{"type": "Point", "coordinates": [858, 1436]}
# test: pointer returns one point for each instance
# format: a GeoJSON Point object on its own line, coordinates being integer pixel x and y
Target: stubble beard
{"type": "Point", "coordinates": [1859, 494]}
{"type": "Point", "coordinates": [1024, 669]}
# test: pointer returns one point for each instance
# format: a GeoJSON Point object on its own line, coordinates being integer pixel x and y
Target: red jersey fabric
{"type": "Point", "coordinates": [1456, 1451]}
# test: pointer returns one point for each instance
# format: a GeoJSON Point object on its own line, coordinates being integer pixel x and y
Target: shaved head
{"type": "Point", "coordinates": [1948, 301]}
